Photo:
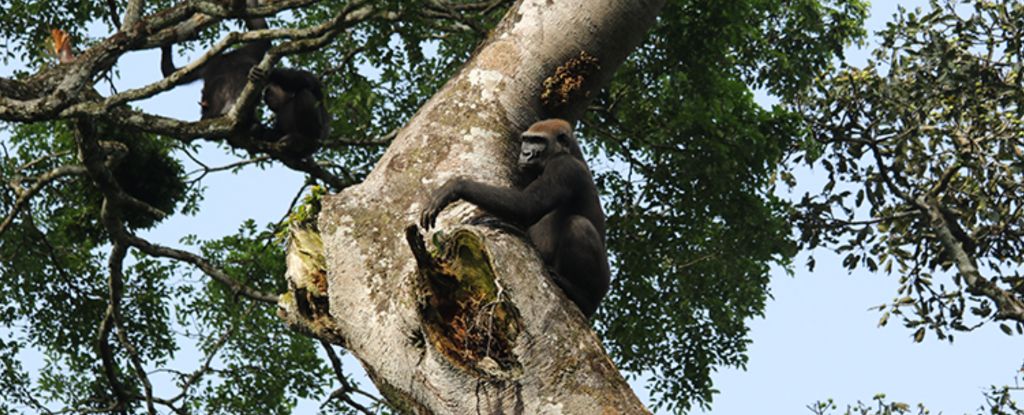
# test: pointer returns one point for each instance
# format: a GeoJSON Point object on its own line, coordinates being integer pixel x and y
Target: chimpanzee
{"type": "Point", "coordinates": [224, 76]}
{"type": "Point", "coordinates": [296, 97]}
{"type": "Point", "coordinates": [559, 207]}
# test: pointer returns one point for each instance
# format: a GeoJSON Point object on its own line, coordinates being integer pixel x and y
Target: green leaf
{"type": "Point", "coordinates": [919, 335]}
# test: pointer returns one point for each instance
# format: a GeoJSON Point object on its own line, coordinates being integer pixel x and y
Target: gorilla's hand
{"type": "Point", "coordinates": [442, 197]}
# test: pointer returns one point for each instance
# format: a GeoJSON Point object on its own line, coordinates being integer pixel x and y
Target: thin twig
{"type": "Point", "coordinates": [206, 367]}
{"type": "Point", "coordinates": [205, 170]}
{"type": "Point", "coordinates": [382, 140]}
{"type": "Point", "coordinates": [40, 159]}
{"type": "Point", "coordinates": [24, 195]}
{"type": "Point", "coordinates": [347, 388]}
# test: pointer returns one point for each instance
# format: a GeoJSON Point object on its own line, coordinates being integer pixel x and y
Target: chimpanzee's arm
{"type": "Point", "coordinates": [259, 132]}
{"type": "Point", "coordinates": [255, 23]}
{"type": "Point", "coordinates": [306, 116]}
{"type": "Point", "coordinates": [167, 65]}
{"type": "Point", "coordinates": [297, 79]}
{"type": "Point", "coordinates": [524, 207]}
{"type": "Point", "coordinates": [167, 61]}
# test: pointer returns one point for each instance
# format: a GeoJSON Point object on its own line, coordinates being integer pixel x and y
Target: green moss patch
{"type": "Point", "coordinates": [467, 316]}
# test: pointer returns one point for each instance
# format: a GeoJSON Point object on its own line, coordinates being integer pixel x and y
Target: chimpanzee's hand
{"type": "Point", "coordinates": [441, 198]}
{"type": "Point", "coordinates": [257, 75]}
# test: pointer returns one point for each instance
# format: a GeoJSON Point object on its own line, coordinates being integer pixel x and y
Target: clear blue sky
{"type": "Point", "coordinates": [818, 339]}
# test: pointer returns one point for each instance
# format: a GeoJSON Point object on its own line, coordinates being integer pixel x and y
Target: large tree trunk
{"type": "Point", "coordinates": [481, 329]}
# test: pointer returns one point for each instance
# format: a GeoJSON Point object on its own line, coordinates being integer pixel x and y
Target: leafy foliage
{"type": "Point", "coordinates": [688, 165]}
{"type": "Point", "coordinates": [881, 407]}
{"type": "Point", "coordinates": [693, 223]}
{"type": "Point", "coordinates": [260, 354]}
{"type": "Point", "coordinates": [923, 150]}
{"type": "Point", "coordinates": [999, 401]}
{"type": "Point", "coordinates": [53, 255]}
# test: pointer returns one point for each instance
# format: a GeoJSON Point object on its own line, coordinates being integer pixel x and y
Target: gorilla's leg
{"type": "Point", "coordinates": [581, 264]}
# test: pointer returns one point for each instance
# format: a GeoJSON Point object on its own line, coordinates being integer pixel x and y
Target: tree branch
{"type": "Point", "coordinates": [873, 221]}
{"type": "Point", "coordinates": [46, 95]}
{"type": "Point", "coordinates": [24, 195]}
{"type": "Point", "coordinates": [133, 356]}
{"type": "Point", "coordinates": [1008, 305]}
{"type": "Point", "coordinates": [115, 287]}
{"type": "Point", "coordinates": [114, 198]}
{"type": "Point", "coordinates": [205, 368]}
{"type": "Point", "coordinates": [53, 90]}
{"type": "Point", "coordinates": [132, 14]}
{"type": "Point", "coordinates": [379, 141]}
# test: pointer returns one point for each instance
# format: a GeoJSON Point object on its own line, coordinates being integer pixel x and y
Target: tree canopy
{"type": "Point", "coordinates": [685, 158]}
{"type": "Point", "coordinates": [923, 152]}
{"type": "Point", "coordinates": [922, 147]}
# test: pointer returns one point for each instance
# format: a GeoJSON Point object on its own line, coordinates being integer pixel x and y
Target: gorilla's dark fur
{"type": "Point", "coordinates": [559, 207]}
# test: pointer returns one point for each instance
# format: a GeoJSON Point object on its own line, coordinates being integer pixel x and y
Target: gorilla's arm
{"type": "Point", "coordinates": [523, 207]}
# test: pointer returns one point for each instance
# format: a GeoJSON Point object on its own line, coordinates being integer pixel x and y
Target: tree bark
{"type": "Point", "coordinates": [476, 327]}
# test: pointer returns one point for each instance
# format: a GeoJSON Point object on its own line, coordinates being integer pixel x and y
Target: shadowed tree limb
{"type": "Point", "coordinates": [115, 284]}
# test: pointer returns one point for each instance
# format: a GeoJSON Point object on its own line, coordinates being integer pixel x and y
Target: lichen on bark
{"type": "Point", "coordinates": [305, 307]}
